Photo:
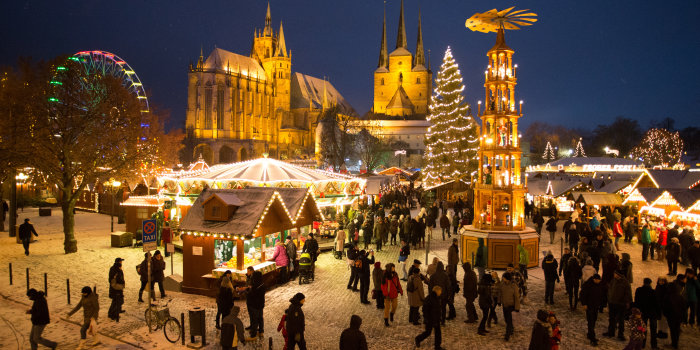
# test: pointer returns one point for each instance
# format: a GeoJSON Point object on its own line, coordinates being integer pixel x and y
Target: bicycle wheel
{"type": "Point", "coordinates": [151, 317]}
{"type": "Point", "coordinates": [172, 330]}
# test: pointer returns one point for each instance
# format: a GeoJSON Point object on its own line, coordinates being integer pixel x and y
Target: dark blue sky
{"type": "Point", "coordinates": [581, 64]}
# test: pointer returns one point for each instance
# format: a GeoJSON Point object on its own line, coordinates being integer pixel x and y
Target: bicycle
{"type": "Point", "coordinates": [157, 318]}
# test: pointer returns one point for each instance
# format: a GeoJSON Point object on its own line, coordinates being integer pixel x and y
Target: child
{"type": "Point", "coordinates": [555, 339]}
{"type": "Point", "coordinates": [638, 330]}
{"type": "Point", "coordinates": [283, 327]}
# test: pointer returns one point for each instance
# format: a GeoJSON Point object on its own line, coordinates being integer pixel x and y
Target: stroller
{"type": "Point", "coordinates": [306, 268]}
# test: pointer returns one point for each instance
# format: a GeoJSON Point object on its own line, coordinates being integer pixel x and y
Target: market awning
{"type": "Point", "coordinates": [598, 198]}
{"type": "Point", "coordinates": [335, 201]}
{"type": "Point", "coordinates": [375, 183]}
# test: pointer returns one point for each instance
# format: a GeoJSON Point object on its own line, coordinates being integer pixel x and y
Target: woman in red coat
{"type": "Point", "coordinates": [391, 288]}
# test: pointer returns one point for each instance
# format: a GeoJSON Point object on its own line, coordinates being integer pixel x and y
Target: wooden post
{"type": "Point", "coordinates": [182, 329]}
{"type": "Point", "coordinates": [10, 273]}
{"type": "Point", "coordinates": [239, 254]}
{"type": "Point", "coordinates": [46, 290]}
{"type": "Point", "coordinates": [150, 290]}
{"type": "Point", "coordinates": [27, 279]}
{"type": "Point", "coordinates": [68, 290]}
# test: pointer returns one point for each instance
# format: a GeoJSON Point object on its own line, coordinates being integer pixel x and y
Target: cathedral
{"type": "Point", "coordinates": [240, 107]}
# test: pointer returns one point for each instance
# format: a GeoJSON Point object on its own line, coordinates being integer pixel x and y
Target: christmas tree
{"type": "Point", "coordinates": [453, 137]}
{"type": "Point", "coordinates": [659, 147]}
{"type": "Point", "coordinates": [579, 149]}
{"type": "Point", "coordinates": [548, 153]}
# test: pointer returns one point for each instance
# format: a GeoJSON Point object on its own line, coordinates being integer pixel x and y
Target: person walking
{"type": "Point", "coordinates": [431, 318]}
{"type": "Point", "coordinates": [673, 254]}
{"type": "Point", "coordinates": [549, 266]}
{"type": "Point", "coordinates": [255, 302]}
{"type": "Point", "coordinates": [637, 329]}
{"type": "Point", "coordinates": [485, 301]}
{"type": "Point", "coordinates": [538, 220]}
{"type": "Point", "coordinates": [470, 292]}
{"type": "Point", "coordinates": [481, 258]}
{"type": "Point", "coordinates": [311, 246]}
{"type": "Point", "coordinates": [353, 255]}
{"type": "Point", "coordinates": [40, 318]}
{"type": "Point", "coordinates": [377, 233]}
{"type": "Point", "coordinates": [694, 256]}
{"type": "Point", "coordinates": [364, 271]}
{"type": "Point", "coordinates": [540, 339]}
{"type": "Point", "coordinates": [281, 261]}
{"type": "Point", "coordinates": [377, 275]}
{"type": "Point", "coordinates": [523, 260]}
{"type": "Point", "coordinates": [116, 289]}
{"type": "Point", "coordinates": [90, 304]}
{"type": "Point", "coordinates": [555, 339]}
{"type": "Point", "coordinates": [445, 225]}
{"type": "Point", "coordinates": [224, 299]}
{"type": "Point", "coordinates": [352, 338]}
{"type": "Point", "coordinates": [673, 306]}
{"type": "Point", "coordinates": [574, 233]}
{"type": "Point", "coordinates": [572, 276]}
{"type": "Point", "coordinates": [552, 228]}
{"type": "Point", "coordinates": [391, 288]}
{"type": "Point", "coordinates": [232, 332]}
{"type": "Point", "coordinates": [645, 239]}
{"type": "Point", "coordinates": [291, 250]}
{"type": "Point", "coordinates": [453, 257]}
{"type": "Point", "coordinates": [692, 288]}
{"type": "Point", "coordinates": [510, 299]}
{"type": "Point", "coordinates": [296, 323]}
{"type": "Point", "coordinates": [496, 296]}
{"type": "Point", "coordinates": [25, 234]}
{"type": "Point", "coordinates": [403, 256]}
{"type": "Point", "coordinates": [619, 300]}
{"type": "Point", "coordinates": [592, 293]}
{"type": "Point", "coordinates": [440, 278]}
{"type": "Point", "coordinates": [142, 270]}
{"type": "Point", "coordinates": [645, 301]}
{"type": "Point", "coordinates": [393, 229]}
{"type": "Point", "coordinates": [158, 274]}
{"type": "Point", "coordinates": [416, 296]}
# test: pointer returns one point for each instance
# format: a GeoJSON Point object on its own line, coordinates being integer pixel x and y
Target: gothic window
{"type": "Point", "coordinates": [382, 81]}
{"type": "Point", "coordinates": [417, 80]}
{"type": "Point", "coordinates": [220, 108]}
{"type": "Point", "coordinates": [207, 107]}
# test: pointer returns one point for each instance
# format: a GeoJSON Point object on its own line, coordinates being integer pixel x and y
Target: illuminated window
{"type": "Point", "coordinates": [382, 83]}
{"type": "Point", "coordinates": [417, 80]}
{"type": "Point", "coordinates": [220, 108]}
{"type": "Point", "coordinates": [142, 213]}
{"type": "Point", "coordinates": [207, 108]}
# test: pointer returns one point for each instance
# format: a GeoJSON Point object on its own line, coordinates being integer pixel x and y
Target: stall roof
{"type": "Point", "coordinates": [445, 184]}
{"type": "Point", "coordinates": [614, 186]}
{"type": "Point", "coordinates": [685, 198]}
{"type": "Point", "coordinates": [255, 202]}
{"type": "Point", "coordinates": [143, 201]}
{"type": "Point", "coordinates": [374, 183]}
{"type": "Point", "coordinates": [650, 194]}
{"type": "Point", "coordinates": [598, 198]}
{"type": "Point", "coordinates": [394, 170]}
{"type": "Point", "coordinates": [674, 178]}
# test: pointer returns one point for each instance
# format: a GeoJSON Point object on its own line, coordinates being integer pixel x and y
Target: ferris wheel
{"type": "Point", "coordinates": [106, 63]}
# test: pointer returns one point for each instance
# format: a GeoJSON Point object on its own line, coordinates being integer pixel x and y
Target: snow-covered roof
{"type": "Point", "coordinates": [400, 100]}
{"type": "Point", "coordinates": [305, 88]}
{"type": "Point", "coordinates": [675, 178]}
{"type": "Point", "coordinates": [220, 59]}
{"type": "Point", "coordinates": [143, 201]}
{"type": "Point", "coordinates": [594, 161]}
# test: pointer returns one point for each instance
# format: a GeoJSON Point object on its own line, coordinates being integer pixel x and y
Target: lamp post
{"type": "Point", "coordinates": [114, 186]}
{"type": "Point", "coordinates": [21, 178]}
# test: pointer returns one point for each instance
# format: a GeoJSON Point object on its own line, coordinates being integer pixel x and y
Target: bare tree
{"type": "Point", "coordinates": [336, 137]}
{"type": "Point", "coordinates": [372, 150]}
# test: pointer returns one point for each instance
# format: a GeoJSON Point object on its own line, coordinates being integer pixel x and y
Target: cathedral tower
{"type": "Point", "coordinates": [271, 51]}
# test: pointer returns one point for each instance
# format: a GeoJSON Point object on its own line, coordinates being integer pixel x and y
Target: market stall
{"type": "Point", "coordinates": [237, 228]}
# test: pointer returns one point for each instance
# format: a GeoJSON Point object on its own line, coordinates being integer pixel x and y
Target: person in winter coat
{"type": "Point", "coordinates": [440, 278]}
{"type": "Point", "coordinates": [352, 338]}
{"type": "Point", "coordinates": [255, 302]}
{"type": "Point", "coordinates": [432, 267]}
{"type": "Point", "coordinates": [552, 228]}
{"type": "Point", "coordinates": [496, 296]}
{"type": "Point", "coordinates": [391, 288]}
{"type": "Point", "coordinates": [692, 288]}
{"type": "Point", "coordinates": [377, 233]}
{"type": "Point", "coordinates": [25, 234]}
{"type": "Point", "coordinates": [645, 239]}
{"type": "Point", "coordinates": [523, 260]}
{"type": "Point", "coordinates": [592, 293]}
{"type": "Point", "coordinates": [673, 306]}
{"type": "Point", "coordinates": [637, 329]}
{"type": "Point", "coordinates": [645, 301]}
{"type": "Point", "coordinates": [352, 255]}
{"type": "Point", "coordinates": [367, 261]}
{"type": "Point", "coordinates": [481, 258]}
{"type": "Point", "coordinates": [404, 252]}
{"type": "Point", "coordinates": [673, 254]}
{"type": "Point", "coordinates": [377, 275]}
{"type": "Point", "coordinates": [469, 291]}
{"type": "Point", "coordinates": [455, 224]}
{"type": "Point", "coordinates": [142, 270]}
{"type": "Point", "coordinates": [549, 266]}
{"type": "Point", "coordinates": [619, 300]}
{"type": "Point", "coordinates": [394, 229]}
{"type": "Point", "coordinates": [574, 233]}
{"type": "Point", "coordinates": [555, 339]}
{"type": "Point", "coordinates": [485, 301]}
{"type": "Point", "coordinates": [538, 220]}
{"type": "Point", "coordinates": [431, 318]}
{"type": "Point", "coordinates": [662, 241]}
{"type": "Point", "coordinates": [686, 240]}
{"type": "Point", "coordinates": [296, 323]}
{"type": "Point", "coordinates": [224, 299]}
{"type": "Point", "coordinates": [90, 304]}
{"type": "Point", "coordinates": [416, 296]}
{"type": "Point", "coordinates": [541, 332]}
{"type": "Point", "coordinates": [564, 266]}
{"type": "Point", "coordinates": [291, 250]}
{"type": "Point", "coordinates": [40, 318]}
{"type": "Point", "coordinates": [311, 246]}
{"type": "Point", "coordinates": [281, 260]}
{"type": "Point", "coordinates": [453, 256]}
{"type": "Point", "coordinates": [694, 256]}
{"type": "Point", "coordinates": [232, 332]}
{"type": "Point", "coordinates": [587, 271]}
{"type": "Point", "coordinates": [572, 276]}
{"type": "Point", "coordinates": [626, 266]}
{"type": "Point", "coordinates": [445, 225]}
{"type": "Point", "coordinates": [116, 289]}
{"type": "Point", "coordinates": [157, 273]}
{"type": "Point", "coordinates": [510, 299]}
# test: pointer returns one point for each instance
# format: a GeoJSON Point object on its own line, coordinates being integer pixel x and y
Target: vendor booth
{"type": "Point", "coordinates": [232, 229]}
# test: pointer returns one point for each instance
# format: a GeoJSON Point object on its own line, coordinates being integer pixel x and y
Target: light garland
{"type": "Point", "coordinates": [579, 149]}
{"type": "Point", "coordinates": [548, 152]}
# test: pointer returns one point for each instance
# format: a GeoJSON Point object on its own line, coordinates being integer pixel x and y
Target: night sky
{"type": "Point", "coordinates": [582, 64]}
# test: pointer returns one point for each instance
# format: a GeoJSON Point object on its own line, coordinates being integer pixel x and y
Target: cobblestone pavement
{"type": "Point", "coordinates": [328, 303]}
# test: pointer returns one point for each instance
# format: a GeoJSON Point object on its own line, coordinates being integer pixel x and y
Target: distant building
{"type": "Point", "coordinates": [241, 106]}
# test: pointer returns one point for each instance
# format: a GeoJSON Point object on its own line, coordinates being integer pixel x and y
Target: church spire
{"type": "Point", "coordinates": [419, 60]}
{"type": "Point", "coordinates": [268, 22]}
{"type": "Point", "coordinates": [200, 62]}
{"type": "Point", "coordinates": [383, 54]}
{"type": "Point", "coordinates": [401, 36]}
{"type": "Point", "coordinates": [281, 45]}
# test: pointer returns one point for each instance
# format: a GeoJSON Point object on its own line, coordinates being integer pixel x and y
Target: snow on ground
{"type": "Point", "coordinates": [328, 307]}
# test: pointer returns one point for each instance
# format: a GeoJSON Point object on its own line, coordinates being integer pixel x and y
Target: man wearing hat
{"type": "Point", "coordinates": [619, 300]}
{"type": "Point", "coordinates": [591, 297]}
{"type": "Point", "coordinates": [116, 289]}
{"type": "Point", "coordinates": [296, 323]}
{"type": "Point", "coordinates": [25, 234]}
{"type": "Point", "coordinates": [40, 318]}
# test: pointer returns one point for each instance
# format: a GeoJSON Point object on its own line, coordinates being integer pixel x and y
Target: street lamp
{"type": "Point", "coordinates": [21, 178]}
{"type": "Point", "coordinates": [114, 186]}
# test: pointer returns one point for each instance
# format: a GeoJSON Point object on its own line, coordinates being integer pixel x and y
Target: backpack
{"type": "Point", "coordinates": [358, 263]}
{"type": "Point", "coordinates": [410, 286]}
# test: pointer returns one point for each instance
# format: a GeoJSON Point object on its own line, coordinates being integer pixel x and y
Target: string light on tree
{"type": "Point", "coordinates": [659, 147]}
{"type": "Point", "coordinates": [548, 152]}
{"type": "Point", "coordinates": [579, 149]}
{"type": "Point", "coordinates": [452, 139]}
